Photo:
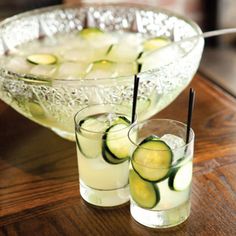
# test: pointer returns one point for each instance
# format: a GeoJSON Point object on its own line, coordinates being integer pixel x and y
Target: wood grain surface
{"type": "Point", "coordinates": [39, 191]}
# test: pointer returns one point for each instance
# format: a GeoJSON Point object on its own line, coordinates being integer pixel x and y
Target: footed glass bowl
{"type": "Point", "coordinates": [53, 103]}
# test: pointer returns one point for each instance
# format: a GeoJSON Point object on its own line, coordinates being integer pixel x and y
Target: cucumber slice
{"type": "Point", "coordinates": [102, 69]}
{"type": "Point", "coordinates": [117, 142]}
{"type": "Point", "coordinates": [42, 59]}
{"type": "Point", "coordinates": [150, 138]}
{"type": "Point", "coordinates": [116, 145]}
{"type": "Point", "coordinates": [139, 55]}
{"type": "Point", "coordinates": [90, 33]}
{"type": "Point", "coordinates": [109, 49]}
{"type": "Point", "coordinates": [144, 193]}
{"type": "Point", "coordinates": [91, 127]}
{"type": "Point", "coordinates": [36, 110]}
{"type": "Point", "coordinates": [103, 65]}
{"type": "Point", "coordinates": [90, 143]}
{"type": "Point", "coordinates": [123, 53]}
{"type": "Point", "coordinates": [155, 43]}
{"type": "Point", "coordinates": [109, 158]}
{"type": "Point", "coordinates": [96, 39]}
{"type": "Point", "coordinates": [152, 159]}
{"type": "Point", "coordinates": [180, 178]}
{"type": "Point", "coordinates": [121, 120]}
{"type": "Point", "coordinates": [69, 70]}
{"type": "Point", "coordinates": [113, 142]}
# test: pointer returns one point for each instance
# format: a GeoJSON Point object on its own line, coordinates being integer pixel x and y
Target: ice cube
{"type": "Point", "coordinates": [103, 40]}
{"type": "Point", "coordinates": [102, 69]}
{"type": "Point", "coordinates": [100, 74]}
{"type": "Point", "coordinates": [173, 141]}
{"type": "Point", "coordinates": [123, 53]}
{"type": "Point", "coordinates": [27, 49]}
{"type": "Point", "coordinates": [111, 117]}
{"type": "Point", "coordinates": [18, 64]}
{"type": "Point", "coordinates": [84, 54]}
{"type": "Point", "coordinates": [39, 47]}
{"type": "Point", "coordinates": [44, 70]}
{"type": "Point", "coordinates": [131, 39]}
{"type": "Point", "coordinates": [160, 57]}
{"type": "Point", "coordinates": [71, 69]}
{"type": "Point", "coordinates": [125, 69]}
{"type": "Point", "coordinates": [177, 145]}
{"type": "Point", "coordinates": [77, 55]}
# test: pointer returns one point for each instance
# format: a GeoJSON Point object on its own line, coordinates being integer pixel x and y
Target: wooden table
{"type": "Point", "coordinates": [39, 191]}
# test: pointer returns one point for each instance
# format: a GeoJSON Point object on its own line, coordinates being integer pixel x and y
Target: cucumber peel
{"type": "Point", "coordinates": [144, 193]}
{"type": "Point", "coordinates": [152, 159]}
{"type": "Point", "coordinates": [42, 59]}
{"type": "Point", "coordinates": [89, 138]}
{"type": "Point", "coordinates": [116, 146]}
{"type": "Point", "coordinates": [116, 141]}
{"type": "Point", "coordinates": [102, 65]}
{"type": "Point", "coordinates": [109, 49]}
{"type": "Point", "coordinates": [90, 33]}
{"type": "Point", "coordinates": [155, 43]}
{"type": "Point", "coordinates": [180, 177]}
{"type": "Point", "coordinates": [121, 120]}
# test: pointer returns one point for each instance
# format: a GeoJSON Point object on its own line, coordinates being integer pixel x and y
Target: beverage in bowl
{"type": "Point", "coordinates": [57, 60]}
{"type": "Point", "coordinates": [103, 151]}
{"type": "Point", "coordinates": [160, 175]}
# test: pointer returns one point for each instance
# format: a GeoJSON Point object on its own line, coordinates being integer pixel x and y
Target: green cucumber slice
{"type": "Point", "coordinates": [109, 49]}
{"type": "Point", "coordinates": [90, 33]}
{"type": "Point", "coordinates": [155, 43]}
{"type": "Point", "coordinates": [109, 158]}
{"type": "Point", "coordinates": [152, 159]}
{"type": "Point", "coordinates": [116, 145]}
{"type": "Point", "coordinates": [139, 55]}
{"type": "Point", "coordinates": [121, 120]}
{"type": "Point", "coordinates": [150, 138]}
{"type": "Point", "coordinates": [117, 142]}
{"type": "Point", "coordinates": [90, 143]}
{"type": "Point", "coordinates": [123, 52]}
{"type": "Point", "coordinates": [101, 69]}
{"type": "Point", "coordinates": [144, 193]}
{"type": "Point", "coordinates": [103, 65]}
{"type": "Point", "coordinates": [180, 177]}
{"type": "Point", "coordinates": [42, 59]}
{"type": "Point", "coordinates": [91, 127]}
{"type": "Point", "coordinates": [36, 110]}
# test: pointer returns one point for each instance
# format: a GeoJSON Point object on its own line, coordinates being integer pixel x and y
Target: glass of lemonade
{"type": "Point", "coordinates": [103, 152]}
{"type": "Point", "coordinates": [160, 173]}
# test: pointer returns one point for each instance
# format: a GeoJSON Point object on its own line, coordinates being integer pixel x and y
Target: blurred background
{"type": "Point", "coordinates": [219, 58]}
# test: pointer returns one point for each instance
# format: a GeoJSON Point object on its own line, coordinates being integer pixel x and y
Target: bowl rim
{"type": "Point", "coordinates": [31, 78]}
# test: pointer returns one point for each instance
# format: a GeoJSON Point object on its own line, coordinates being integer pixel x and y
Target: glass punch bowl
{"type": "Point", "coordinates": [53, 103]}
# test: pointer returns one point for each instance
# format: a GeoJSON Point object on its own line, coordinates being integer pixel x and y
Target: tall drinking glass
{"type": "Point", "coordinates": [161, 172]}
{"type": "Point", "coordinates": [103, 152]}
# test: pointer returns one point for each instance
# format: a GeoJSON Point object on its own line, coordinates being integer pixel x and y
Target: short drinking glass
{"type": "Point", "coordinates": [103, 150]}
{"type": "Point", "coordinates": [161, 172]}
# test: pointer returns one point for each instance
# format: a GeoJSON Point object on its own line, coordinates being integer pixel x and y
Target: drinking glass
{"type": "Point", "coordinates": [160, 173]}
{"type": "Point", "coordinates": [103, 152]}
